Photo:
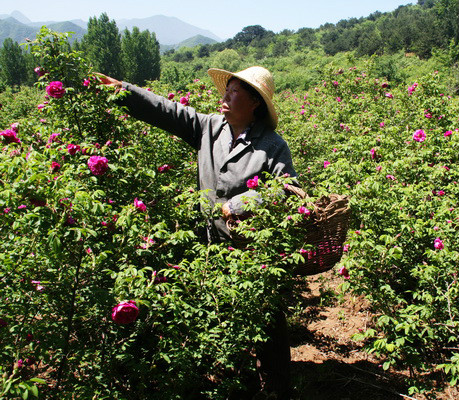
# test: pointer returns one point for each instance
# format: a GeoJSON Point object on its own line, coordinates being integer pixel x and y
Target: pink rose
{"type": "Point", "coordinates": [419, 135]}
{"type": "Point", "coordinates": [55, 89]}
{"type": "Point", "coordinates": [86, 82]}
{"type": "Point", "coordinates": [39, 71]}
{"type": "Point", "coordinates": [438, 244]}
{"type": "Point", "coordinates": [389, 95]}
{"type": "Point", "coordinates": [344, 272]}
{"type": "Point", "coordinates": [373, 153]}
{"type": "Point", "coordinates": [304, 210]}
{"type": "Point", "coordinates": [53, 137]}
{"type": "Point", "coordinates": [252, 183]}
{"type": "Point", "coordinates": [326, 164]}
{"type": "Point", "coordinates": [164, 168]}
{"type": "Point", "coordinates": [170, 96]}
{"type": "Point", "coordinates": [125, 312]}
{"type": "Point", "coordinates": [73, 149]}
{"type": "Point", "coordinates": [98, 165]}
{"type": "Point", "coordinates": [55, 166]}
{"type": "Point", "coordinates": [10, 136]}
{"type": "Point", "coordinates": [184, 101]}
{"type": "Point", "coordinates": [140, 205]}
{"type": "Point", "coordinates": [448, 133]}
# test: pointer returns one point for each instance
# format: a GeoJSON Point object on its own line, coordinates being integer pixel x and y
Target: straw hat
{"type": "Point", "coordinates": [257, 77]}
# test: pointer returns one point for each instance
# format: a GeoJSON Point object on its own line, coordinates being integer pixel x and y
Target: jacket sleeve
{"type": "Point", "coordinates": [173, 117]}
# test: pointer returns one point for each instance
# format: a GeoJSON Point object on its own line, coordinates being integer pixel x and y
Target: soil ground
{"type": "Point", "coordinates": [327, 364]}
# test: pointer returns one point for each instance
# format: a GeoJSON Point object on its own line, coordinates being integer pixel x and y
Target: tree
{"type": "Point", "coordinates": [251, 33]}
{"type": "Point", "coordinates": [228, 59]}
{"type": "Point", "coordinates": [13, 69]}
{"type": "Point", "coordinates": [102, 44]}
{"type": "Point", "coordinates": [448, 10]}
{"type": "Point", "coordinates": [140, 56]}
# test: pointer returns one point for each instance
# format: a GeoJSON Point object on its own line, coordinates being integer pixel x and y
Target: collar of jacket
{"type": "Point", "coordinates": [256, 132]}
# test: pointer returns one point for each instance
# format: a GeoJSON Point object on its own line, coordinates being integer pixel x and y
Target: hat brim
{"type": "Point", "coordinates": [220, 77]}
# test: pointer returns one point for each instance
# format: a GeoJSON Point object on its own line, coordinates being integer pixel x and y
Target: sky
{"type": "Point", "coordinates": [221, 17]}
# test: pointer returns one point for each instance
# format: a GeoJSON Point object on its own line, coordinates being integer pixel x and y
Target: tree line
{"type": "Point", "coordinates": [414, 29]}
{"type": "Point", "coordinates": [418, 29]}
{"type": "Point", "coordinates": [131, 55]}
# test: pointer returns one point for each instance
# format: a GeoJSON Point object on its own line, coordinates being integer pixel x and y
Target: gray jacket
{"type": "Point", "coordinates": [225, 173]}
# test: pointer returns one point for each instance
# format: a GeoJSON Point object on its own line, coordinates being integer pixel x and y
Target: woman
{"type": "Point", "coordinates": [232, 148]}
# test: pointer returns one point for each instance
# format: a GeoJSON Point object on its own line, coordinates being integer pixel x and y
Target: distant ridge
{"type": "Point", "coordinates": [191, 42]}
{"type": "Point", "coordinates": [169, 31]}
{"type": "Point", "coordinates": [19, 32]}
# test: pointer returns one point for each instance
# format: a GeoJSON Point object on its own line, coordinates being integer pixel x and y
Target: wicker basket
{"type": "Point", "coordinates": [325, 230]}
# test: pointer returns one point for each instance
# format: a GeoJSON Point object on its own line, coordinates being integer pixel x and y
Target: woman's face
{"type": "Point", "coordinates": [238, 105]}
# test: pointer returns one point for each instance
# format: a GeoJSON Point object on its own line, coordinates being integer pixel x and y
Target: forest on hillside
{"type": "Point", "coordinates": [404, 40]}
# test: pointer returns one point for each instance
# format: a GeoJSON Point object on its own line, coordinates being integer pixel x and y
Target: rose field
{"type": "Point", "coordinates": [109, 289]}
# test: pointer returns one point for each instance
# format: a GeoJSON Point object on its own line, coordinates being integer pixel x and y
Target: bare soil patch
{"type": "Point", "coordinates": [327, 364]}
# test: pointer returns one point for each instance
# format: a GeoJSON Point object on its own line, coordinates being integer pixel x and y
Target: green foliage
{"type": "Point", "coordinates": [102, 45]}
{"type": "Point", "coordinates": [140, 56]}
{"type": "Point", "coordinates": [12, 64]}
{"type": "Point", "coordinates": [78, 243]}
{"type": "Point", "coordinates": [404, 196]}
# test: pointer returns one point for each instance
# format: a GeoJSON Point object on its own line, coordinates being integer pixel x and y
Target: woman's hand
{"type": "Point", "coordinates": [106, 80]}
{"type": "Point", "coordinates": [226, 211]}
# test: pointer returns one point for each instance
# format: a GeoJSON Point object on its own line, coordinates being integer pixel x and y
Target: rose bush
{"type": "Point", "coordinates": [84, 235]}
{"type": "Point", "coordinates": [392, 157]}
{"type": "Point", "coordinates": [72, 189]}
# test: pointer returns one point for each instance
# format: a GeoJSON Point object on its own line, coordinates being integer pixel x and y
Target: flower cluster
{"type": "Point", "coordinates": [419, 135]}
{"type": "Point", "coordinates": [252, 183]}
{"type": "Point", "coordinates": [98, 165]}
{"type": "Point", "coordinates": [10, 136]}
{"type": "Point", "coordinates": [140, 205]}
{"type": "Point", "coordinates": [55, 89]}
{"type": "Point", "coordinates": [125, 312]}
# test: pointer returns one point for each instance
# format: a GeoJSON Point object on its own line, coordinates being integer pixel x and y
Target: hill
{"type": "Point", "coordinates": [168, 30]}
{"type": "Point", "coordinates": [191, 42]}
{"type": "Point", "coordinates": [19, 32]}
{"type": "Point", "coordinates": [14, 29]}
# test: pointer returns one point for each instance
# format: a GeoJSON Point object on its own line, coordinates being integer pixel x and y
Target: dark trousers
{"type": "Point", "coordinates": [273, 359]}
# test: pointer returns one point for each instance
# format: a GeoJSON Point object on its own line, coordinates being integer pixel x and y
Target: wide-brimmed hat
{"type": "Point", "coordinates": [257, 77]}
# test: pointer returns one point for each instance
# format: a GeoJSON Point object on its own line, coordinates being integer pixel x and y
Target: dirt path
{"type": "Point", "coordinates": [327, 363]}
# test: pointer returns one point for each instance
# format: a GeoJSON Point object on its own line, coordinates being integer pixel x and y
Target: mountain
{"type": "Point", "coordinates": [191, 42]}
{"type": "Point", "coordinates": [168, 30]}
{"type": "Point", "coordinates": [12, 28]}
{"type": "Point", "coordinates": [20, 17]}
{"type": "Point", "coordinates": [19, 32]}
